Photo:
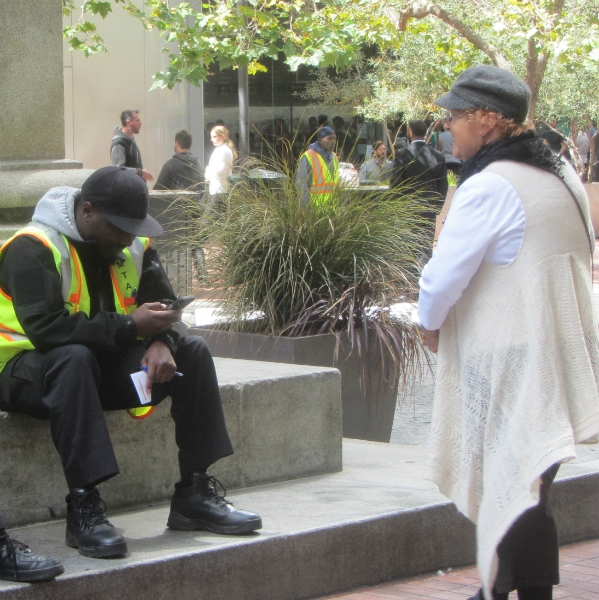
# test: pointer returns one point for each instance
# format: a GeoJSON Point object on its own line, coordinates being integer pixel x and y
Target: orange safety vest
{"type": "Point", "coordinates": [324, 182]}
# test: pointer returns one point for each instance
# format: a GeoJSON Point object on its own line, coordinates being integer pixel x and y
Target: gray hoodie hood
{"type": "Point", "coordinates": [118, 133]}
{"type": "Point", "coordinates": [57, 210]}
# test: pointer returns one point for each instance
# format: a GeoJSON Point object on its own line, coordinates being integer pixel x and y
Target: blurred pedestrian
{"type": "Point", "coordinates": [123, 150]}
{"type": "Point", "coordinates": [420, 170]}
{"type": "Point", "coordinates": [317, 175]}
{"type": "Point", "coordinates": [183, 171]}
{"type": "Point", "coordinates": [221, 162]}
{"type": "Point", "coordinates": [378, 168]}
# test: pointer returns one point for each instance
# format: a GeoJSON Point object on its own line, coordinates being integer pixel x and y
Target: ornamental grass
{"type": "Point", "coordinates": [307, 270]}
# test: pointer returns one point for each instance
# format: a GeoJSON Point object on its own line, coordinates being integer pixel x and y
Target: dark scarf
{"type": "Point", "coordinates": [526, 148]}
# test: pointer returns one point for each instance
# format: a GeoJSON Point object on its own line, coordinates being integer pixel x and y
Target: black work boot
{"type": "Point", "coordinates": [18, 563]}
{"type": "Point", "coordinates": [200, 506]}
{"type": "Point", "coordinates": [88, 528]}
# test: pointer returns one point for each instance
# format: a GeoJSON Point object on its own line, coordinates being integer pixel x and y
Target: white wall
{"type": "Point", "coordinates": [99, 88]}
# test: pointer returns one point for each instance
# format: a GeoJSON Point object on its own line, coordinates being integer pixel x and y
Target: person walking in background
{"type": "Point", "coordinates": [507, 301]}
{"type": "Point", "coordinates": [183, 171]}
{"type": "Point", "coordinates": [221, 161]}
{"type": "Point", "coordinates": [378, 168]}
{"type": "Point", "coordinates": [123, 150]}
{"type": "Point", "coordinates": [345, 142]}
{"type": "Point", "coordinates": [401, 139]}
{"type": "Point", "coordinates": [317, 174]}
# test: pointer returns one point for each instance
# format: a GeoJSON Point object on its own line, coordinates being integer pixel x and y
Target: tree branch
{"type": "Point", "coordinates": [536, 64]}
{"type": "Point", "coordinates": [415, 10]}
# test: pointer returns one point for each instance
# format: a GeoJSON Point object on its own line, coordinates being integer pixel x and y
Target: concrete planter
{"type": "Point", "coordinates": [368, 410]}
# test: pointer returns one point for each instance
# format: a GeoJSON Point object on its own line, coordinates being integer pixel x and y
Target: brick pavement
{"type": "Point", "coordinates": [579, 572]}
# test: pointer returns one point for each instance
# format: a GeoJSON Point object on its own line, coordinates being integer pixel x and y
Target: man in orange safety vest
{"type": "Point", "coordinates": [317, 176]}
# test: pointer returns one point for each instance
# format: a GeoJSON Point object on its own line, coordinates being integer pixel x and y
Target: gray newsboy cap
{"type": "Point", "coordinates": [488, 87]}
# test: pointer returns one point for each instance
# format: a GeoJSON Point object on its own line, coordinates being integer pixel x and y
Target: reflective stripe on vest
{"type": "Point", "coordinates": [324, 183]}
{"type": "Point", "coordinates": [125, 276]}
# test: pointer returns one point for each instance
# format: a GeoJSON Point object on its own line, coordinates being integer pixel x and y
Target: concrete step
{"type": "Point", "coordinates": [284, 422]}
{"type": "Point", "coordinates": [376, 521]}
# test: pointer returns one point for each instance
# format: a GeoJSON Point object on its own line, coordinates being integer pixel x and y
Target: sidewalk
{"type": "Point", "coordinates": [579, 571]}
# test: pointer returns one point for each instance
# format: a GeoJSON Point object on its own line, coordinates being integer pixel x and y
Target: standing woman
{"type": "Point", "coordinates": [221, 161]}
{"type": "Point", "coordinates": [507, 300]}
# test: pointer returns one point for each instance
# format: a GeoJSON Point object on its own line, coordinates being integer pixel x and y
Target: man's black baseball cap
{"type": "Point", "coordinates": [121, 195]}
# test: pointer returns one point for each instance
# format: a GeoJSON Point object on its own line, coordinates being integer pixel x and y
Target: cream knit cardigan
{"type": "Point", "coordinates": [518, 366]}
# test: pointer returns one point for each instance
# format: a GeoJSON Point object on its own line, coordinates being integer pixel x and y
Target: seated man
{"type": "Point", "coordinates": [378, 168]}
{"type": "Point", "coordinates": [81, 312]}
{"type": "Point", "coordinates": [18, 563]}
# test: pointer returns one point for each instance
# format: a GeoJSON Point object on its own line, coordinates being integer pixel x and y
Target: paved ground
{"type": "Point", "coordinates": [579, 568]}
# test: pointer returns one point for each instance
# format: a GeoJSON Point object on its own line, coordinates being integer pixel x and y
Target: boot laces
{"type": "Point", "coordinates": [209, 488]}
{"type": "Point", "coordinates": [92, 510]}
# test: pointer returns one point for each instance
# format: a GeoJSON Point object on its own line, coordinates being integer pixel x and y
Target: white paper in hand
{"type": "Point", "coordinates": [139, 381]}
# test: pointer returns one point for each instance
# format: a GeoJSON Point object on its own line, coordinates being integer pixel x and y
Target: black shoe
{"type": "Point", "coordinates": [18, 563]}
{"type": "Point", "coordinates": [480, 596]}
{"type": "Point", "coordinates": [88, 528]}
{"type": "Point", "coordinates": [200, 506]}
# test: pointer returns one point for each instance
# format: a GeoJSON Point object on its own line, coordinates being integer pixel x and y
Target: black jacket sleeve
{"type": "Point", "coordinates": [402, 159]}
{"type": "Point", "coordinates": [28, 275]}
{"type": "Point", "coordinates": [442, 183]}
{"type": "Point", "coordinates": [153, 287]}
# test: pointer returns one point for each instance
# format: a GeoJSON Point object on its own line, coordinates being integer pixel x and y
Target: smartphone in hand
{"type": "Point", "coordinates": [179, 303]}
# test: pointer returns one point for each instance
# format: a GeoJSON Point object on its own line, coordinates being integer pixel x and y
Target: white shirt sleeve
{"type": "Point", "coordinates": [485, 222]}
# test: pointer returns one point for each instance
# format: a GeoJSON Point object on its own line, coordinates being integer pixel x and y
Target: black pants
{"type": "Point", "coordinates": [72, 386]}
{"type": "Point", "coordinates": [529, 552]}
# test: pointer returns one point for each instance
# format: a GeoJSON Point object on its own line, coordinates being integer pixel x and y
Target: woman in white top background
{"type": "Point", "coordinates": [221, 161]}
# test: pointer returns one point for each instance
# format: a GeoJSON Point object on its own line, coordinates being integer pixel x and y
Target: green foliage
{"type": "Point", "coordinates": [430, 54]}
{"type": "Point", "coordinates": [415, 64]}
{"type": "Point", "coordinates": [323, 34]}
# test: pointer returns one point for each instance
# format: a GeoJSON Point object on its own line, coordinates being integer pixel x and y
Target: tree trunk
{"type": "Point", "coordinates": [536, 64]}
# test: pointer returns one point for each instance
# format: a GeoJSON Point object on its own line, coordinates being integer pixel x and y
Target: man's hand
{"type": "Point", "coordinates": [431, 338]}
{"type": "Point", "coordinates": [146, 175]}
{"type": "Point", "coordinates": [153, 318]}
{"type": "Point", "coordinates": [160, 363]}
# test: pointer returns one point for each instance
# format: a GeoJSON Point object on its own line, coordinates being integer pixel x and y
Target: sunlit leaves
{"type": "Point", "coordinates": [413, 66]}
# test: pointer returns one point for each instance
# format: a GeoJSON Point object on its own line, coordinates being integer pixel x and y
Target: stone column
{"type": "Point", "coordinates": [31, 109]}
{"type": "Point", "coordinates": [31, 80]}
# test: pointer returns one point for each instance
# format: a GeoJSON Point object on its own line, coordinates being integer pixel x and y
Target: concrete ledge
{"type": "Point", "coordinates": [24, 188]}
{"type": "Point", "coordinates": [39, 165]}
{"type": "Point", "coordinates": [284, 422]}
{"type": "Point", "coordinates": [376, 521]}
